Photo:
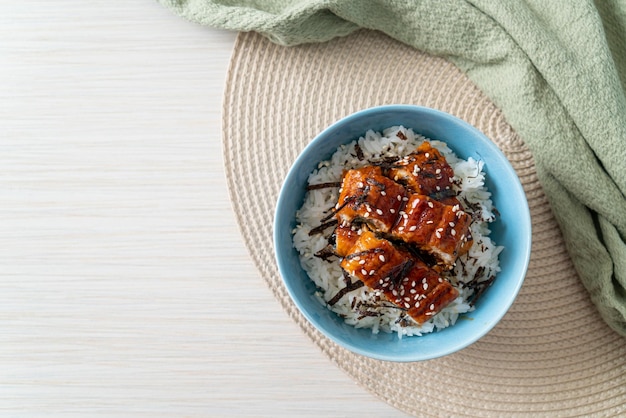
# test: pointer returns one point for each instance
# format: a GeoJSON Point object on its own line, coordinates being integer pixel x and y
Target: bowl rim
{"type": "Point", "coordinates": [449, 118]}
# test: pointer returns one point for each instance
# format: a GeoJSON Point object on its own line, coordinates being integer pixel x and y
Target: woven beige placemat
{"type": "Point", "coordinates": [551, 355]}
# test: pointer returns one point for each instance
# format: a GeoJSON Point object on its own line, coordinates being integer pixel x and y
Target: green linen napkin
{"type": "Point", "coordinates": [557, 69]}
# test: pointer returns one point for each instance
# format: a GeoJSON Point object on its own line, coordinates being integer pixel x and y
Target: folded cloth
{"type": "Point", "coordinates": [556, 69]}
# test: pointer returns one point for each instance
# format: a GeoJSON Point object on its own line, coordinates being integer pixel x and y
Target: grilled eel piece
{"type": "Point", "coordinates": [369, 197]}
{"type": "Point", "coordinates": [404, 280]}
{"type": "Point", "coordinates": [426, 172]}
{"type": "Point", "coordinates": [439, 229]}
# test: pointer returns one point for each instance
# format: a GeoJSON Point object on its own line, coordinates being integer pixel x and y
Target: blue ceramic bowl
{"type": "Point", "coordinates": [512, 230]}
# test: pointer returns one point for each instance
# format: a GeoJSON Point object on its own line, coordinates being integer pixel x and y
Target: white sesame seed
{"type": "Point", "coordinates": [437, 171]}
{"type": "Point", "coordinates": [337, 206]}
{"type": "Point", "coordinates": [359, 184]}
{"type": "Point", "coordinates": [424, 280]}
{"type": "Point", "coordinates": [429, 222]}
{"type": "Point", "coordinates": [439, 279]}
{"type": "Point", "coordinates": [378, 211]}
{"type": "Point", "coordinates": [368, 208]}
{"type": "Point", "coordinates": [415, 202]}
{"type": "Point", "coordinates": [394, 292]}
{"type": "Point", "coordinates": [451, 224]}
{"type": "Point", "coordinates": [417, 303]}
{"type": "Point", "coordinates": [407, 298]}
{"type": "Point", "coordinates": [413, 291]}
{"type": "Point", "coordinates": [432, 307]}
{"type": "Point", "coordinates": [380, 281]}
{"type": "Point", "coordinates": [372, 272]}
{"type": "Point", "coordinates": [381, 258]}
{"type": "Point", "coordinates": [392, 210]}
{"type": "Point", "coordinates": [413, 283]}
{"type": "Point", "coordinates": [430, 204]}
{"type": "Point", "coordinates": [399, 198]}
{"type": "Point", "coordinates": [405, 199]}
{"type": "Point", "coordinates": [413, 228]}
{"type": "Point", "coordinates": [425, 286]}
{"type": "Point", "coordinates": [383, 193]}
{"type": "Point", "coordinates": [359, 232]}
{"type": "Point", "coordinates": [438, 234]}
{"type": "Point", "coordinates": [438, 188]}
{"type": "Point", "coordinates": [362, 262]}
{"type": "Point", "coordinates": [405, 280]}
{"type": "Point", "coordinates": [453, 232]}
{"type": "Point", "coordinates": [455, 208]}
{"type": "Point", "coordinates": [407, 305]}
{"type": "Point", "coordinates": [401, 228]}
{"type": "Point", "coordinates": [427, 155]}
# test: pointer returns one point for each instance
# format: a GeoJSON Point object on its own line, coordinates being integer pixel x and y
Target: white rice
{"type": "Point", "coordinates": [481, 260]}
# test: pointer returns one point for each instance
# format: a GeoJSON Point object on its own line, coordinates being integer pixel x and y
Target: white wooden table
{"type": "Point", "coordinates": [125, 287]}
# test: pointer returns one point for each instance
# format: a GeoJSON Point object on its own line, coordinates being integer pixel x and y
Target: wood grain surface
{"type": "Point", "coordinates": [125, 287]}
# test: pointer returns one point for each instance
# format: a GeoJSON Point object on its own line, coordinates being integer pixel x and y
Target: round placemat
{"type": "Point", "coordinates": [551, 355]}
